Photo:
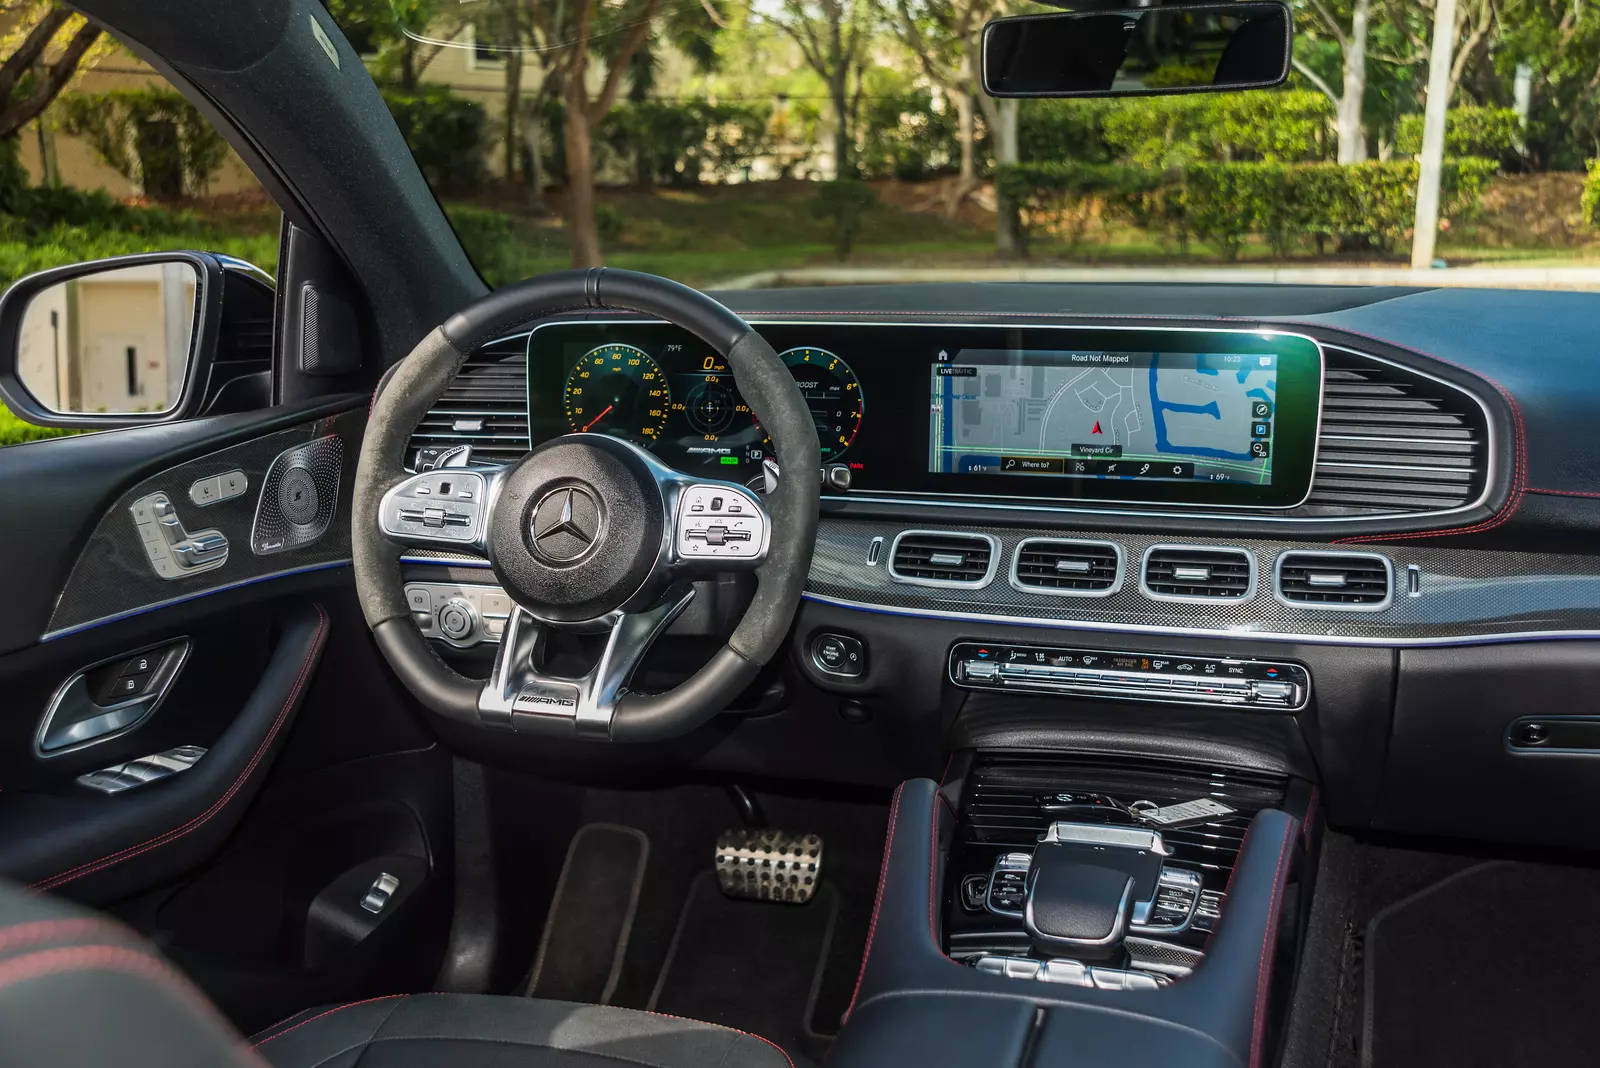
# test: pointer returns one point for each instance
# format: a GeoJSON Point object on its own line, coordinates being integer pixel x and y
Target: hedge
{"type": "Point", "coordinates": [1591, 195]}
{"type": "Point", "coordinates": [1224, 203]}
{"type": "Point", "coordinates": [1490, 133]}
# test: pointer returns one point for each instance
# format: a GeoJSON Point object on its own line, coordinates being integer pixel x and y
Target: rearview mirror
{"type": "Point", "coordinates": [115, 342]}
{"type": "Point", "coordinates": [1209, 47]}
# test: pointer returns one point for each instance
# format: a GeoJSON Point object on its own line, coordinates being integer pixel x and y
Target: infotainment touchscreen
{"type": "Point", "coordinates": [1167, 416]}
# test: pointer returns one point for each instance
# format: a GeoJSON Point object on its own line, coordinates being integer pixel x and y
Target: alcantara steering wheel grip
{"type": "Point", "coordinates": [586, 532]}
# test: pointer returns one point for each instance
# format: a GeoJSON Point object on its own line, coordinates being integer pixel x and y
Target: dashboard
{"type": "Point", "coordinates": [1214, 417]}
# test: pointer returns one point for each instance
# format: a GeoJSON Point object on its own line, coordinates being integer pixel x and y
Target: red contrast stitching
{"type": "Point", "coordinates": [1258, 1026]}
{"type": "Point", "coordinates": [724, 1027]}
{"type": "Point", "coordinates": [50, 930]}
{"type": "Point", "coordinates": [45, 962]}
{"type": "Point", "coordinates": [337, 1008]}
{"type": "Point", "coordinates": [933, 873]}
{"type": "Point", "coordinates": [883, 876]}
{"type": "Point", "coordinates": [206, 816]}
{"type": "Point", "coordinates": [1564, 493]}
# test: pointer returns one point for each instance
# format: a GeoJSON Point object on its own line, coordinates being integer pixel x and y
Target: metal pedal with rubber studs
{"type": "Point", "coordinates": [768, 865]}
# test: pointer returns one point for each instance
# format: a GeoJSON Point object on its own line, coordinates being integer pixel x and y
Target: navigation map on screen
{"type": "Point", "coordinates": [1172, 416]}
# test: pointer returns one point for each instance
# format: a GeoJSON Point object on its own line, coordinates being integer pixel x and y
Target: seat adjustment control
{"type": "Point", "coordinates": [173, 551]}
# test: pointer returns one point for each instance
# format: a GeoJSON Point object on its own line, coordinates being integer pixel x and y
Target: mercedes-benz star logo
{"type": "Point", "coordinates": [565, 524]}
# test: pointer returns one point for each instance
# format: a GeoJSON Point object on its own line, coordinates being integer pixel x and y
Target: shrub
{"type": "Point", "coordinates": [844, 204]}
{"type": "Point", "coordinates": [14, 431]}
{"type": "Point", "coordinates": [444, 132]}
{"type": "Point", "coordinates": [150, 135]}
{"type": "Point", "coordinates": [903, 137]}
{"type": "Point", "coordinates": [1160, 132]}
{"type": "Point", "coordinates": [1487, 132]}
{"type": "Point", "coordinates": [678, 144]}
{"type": "Point", "coordinates": [1591, 195]}
{"type": "Point", "coordinates": [1225, 203]}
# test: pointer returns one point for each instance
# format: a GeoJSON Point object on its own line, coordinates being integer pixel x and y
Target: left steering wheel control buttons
{"type": "Point", "coordinates": [298, 496]}
{"type": "Point", "coordinates": [447, 505]}
{"type": "Point", "coordinates": [208, 491]}
{"type": "Point", "coordinates": [721, 522]}
{"type": "Point", "coordinates": [172, 550]}
{"type": "Point", "coordinates": [460, 615]}
{"type": "Point", "coordinates": [839, 655]}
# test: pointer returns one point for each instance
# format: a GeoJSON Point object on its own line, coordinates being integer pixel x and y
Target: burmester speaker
{"type": "Point", "coordinates": [298, 497]}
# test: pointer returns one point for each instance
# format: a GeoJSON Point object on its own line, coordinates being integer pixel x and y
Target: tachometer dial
{"type": "Point", "coordinates": [618, 390]}
{"type": "Point", "coordinates": [832, 392]}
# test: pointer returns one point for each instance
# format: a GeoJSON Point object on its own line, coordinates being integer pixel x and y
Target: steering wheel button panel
{"type": "Point", "coordinates": [721, 521]}
{"type": "Point", "coordinates": [445, 506]}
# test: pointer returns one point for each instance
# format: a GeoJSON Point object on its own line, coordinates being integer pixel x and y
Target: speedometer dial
{"type": "Point", "coordinates": [618, 390]}
{"type": "Point", "coordinates": [832, 392]}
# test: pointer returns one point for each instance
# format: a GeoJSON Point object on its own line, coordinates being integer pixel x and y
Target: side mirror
{"type": "Point", "coordinates": [1192, 48]}
{"type": "Point", "coordinates": [120, 342]}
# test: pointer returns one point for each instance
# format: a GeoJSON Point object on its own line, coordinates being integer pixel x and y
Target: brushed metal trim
{"type": "Point", "coordinates": [1241, 633]}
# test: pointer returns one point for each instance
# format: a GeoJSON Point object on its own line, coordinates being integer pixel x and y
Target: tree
{"type": "Point", "coordinates": [945, 36]}
{"type": "Point", "coordinates": [407, 35]}
{"type": "Point", "coordinates": [624, 28]}
{"type": "Point", "coordinates": [833, 36]}
{"type": "Point", "coordinates": [44, 50]}
{"type": "Point", "coordinates": [1348, 26]}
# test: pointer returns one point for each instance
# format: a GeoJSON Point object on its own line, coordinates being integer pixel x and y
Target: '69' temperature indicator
{"type": "Point", "coordinates": [832, 392]}
{"type": "Point", "coordinates": [618, 390]}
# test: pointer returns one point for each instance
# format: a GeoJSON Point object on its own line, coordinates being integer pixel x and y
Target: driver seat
{"type": "Point", "coordinates": [80, 989]}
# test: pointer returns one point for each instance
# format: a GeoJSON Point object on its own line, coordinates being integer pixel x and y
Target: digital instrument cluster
{"type": "Point", "coordinates": [673, 394]}
{"type": "Point", "coordinates": [1028, 413]}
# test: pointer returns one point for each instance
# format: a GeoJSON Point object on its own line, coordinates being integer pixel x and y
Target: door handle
{"type": "Point", "coordinates": [109, 698]}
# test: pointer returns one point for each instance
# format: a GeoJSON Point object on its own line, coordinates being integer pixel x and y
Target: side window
{"type": "Point", "coordinates": [105, 158]}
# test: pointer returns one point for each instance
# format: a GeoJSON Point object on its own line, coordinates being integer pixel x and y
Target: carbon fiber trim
{"type": "Point", "coordinates": [113, 577]}
{"type": "Point", "coordinates": [1463, 595]}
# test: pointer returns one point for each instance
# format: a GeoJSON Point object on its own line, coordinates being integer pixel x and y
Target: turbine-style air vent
{"type": "Point", "coordinates": [940, 558]}
{"type": "Point", "coordinates": [1065, 566]}
{"type": "Point", "coordinates": [1197, 573]}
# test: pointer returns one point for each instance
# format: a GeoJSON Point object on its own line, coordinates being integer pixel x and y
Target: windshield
{"type": "Point", "coordinates": [763, 142]}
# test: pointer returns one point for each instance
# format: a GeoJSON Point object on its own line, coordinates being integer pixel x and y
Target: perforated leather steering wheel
{"type": "Point", "coordinates": [586, 532]}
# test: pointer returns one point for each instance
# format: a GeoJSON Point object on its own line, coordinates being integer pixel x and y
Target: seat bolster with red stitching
{"type": "Point", "coordinates": [79, 989]}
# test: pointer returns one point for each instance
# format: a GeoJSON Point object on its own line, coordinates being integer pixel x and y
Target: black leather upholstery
{"type": "Point", "coordinates": [79, 989]}
{"type": "Point", "coordinates": [446, 1030]}
{"type": "Point", "coordinates": [908, 986]}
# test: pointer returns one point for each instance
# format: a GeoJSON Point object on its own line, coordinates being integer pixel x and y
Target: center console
{"type": "Point", "coordinates": [1070, 908]}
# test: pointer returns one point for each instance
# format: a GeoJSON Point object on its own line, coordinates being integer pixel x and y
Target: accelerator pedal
{"type": "Point", "coordinates": [763, 864]}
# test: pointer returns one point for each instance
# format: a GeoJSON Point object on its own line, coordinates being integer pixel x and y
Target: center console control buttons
{"type": "Point", "coordinates": [1274, 685]}
{"type": "Point", "coordinates": [838, 654]}
{"type": "Point", "coordinates": [1008, 884]}
{"type": "Point", "coordinates": [1069, 973]}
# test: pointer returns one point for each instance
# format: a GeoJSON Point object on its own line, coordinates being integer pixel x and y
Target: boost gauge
{"type": "Point", "coordinates": [618, 390]}
{"type": "Point", "coordinates": [833, 394]}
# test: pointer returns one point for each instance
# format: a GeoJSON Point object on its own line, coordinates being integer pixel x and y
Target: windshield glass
{"type": "Point", "coordinates": [768, 142]}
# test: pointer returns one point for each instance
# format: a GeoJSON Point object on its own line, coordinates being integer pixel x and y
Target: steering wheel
{"type": "Point", "coordinates": [587, 532]}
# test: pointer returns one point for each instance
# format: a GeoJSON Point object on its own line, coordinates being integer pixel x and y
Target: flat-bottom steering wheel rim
{"type": "Point", "coordinates": [415, 384]}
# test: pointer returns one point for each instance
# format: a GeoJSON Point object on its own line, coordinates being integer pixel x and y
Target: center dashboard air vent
{"type": "Point", "coordinates": [1198, 573]}
{"type": "Point", "coordinates": [1067, 567]}
{"type": "Point", "coordinates": [943, 558]}
{"type": "Point", "coordinates": [486, 407]}
{"type": "Point", "coordinates": [1334, 580]}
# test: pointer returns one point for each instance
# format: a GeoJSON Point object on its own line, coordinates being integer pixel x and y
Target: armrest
{"type": "Point", "coordinates": [1221, 1007]}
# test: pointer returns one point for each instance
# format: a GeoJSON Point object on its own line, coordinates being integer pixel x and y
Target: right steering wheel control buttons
{"type": "Point", "coordinates": [298, 496]}
{"type": "Point", "coordinates": [839, 654]}
{"type": "Point", "coordinates": [720, 522]}
{"type": "Point", "coordinates": [172, 550]}
{"type": "Point", "coordinates": [461, 615]}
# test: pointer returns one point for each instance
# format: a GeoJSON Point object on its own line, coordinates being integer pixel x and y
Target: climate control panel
{"type": "Point", "coordinates": [1132, 676]}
